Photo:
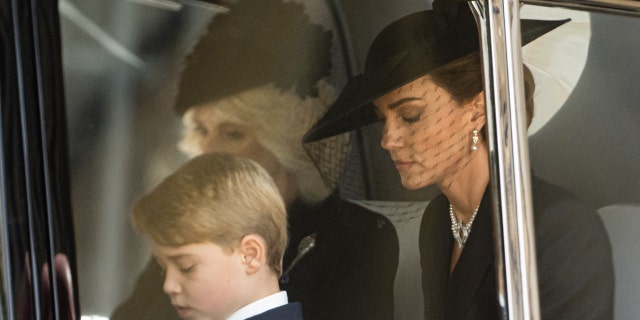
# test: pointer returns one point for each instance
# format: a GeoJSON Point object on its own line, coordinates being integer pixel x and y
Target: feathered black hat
{"type": "Point", "coordinates": [404, 51]}
{"type": "Point", "coordinates": [255, 43]}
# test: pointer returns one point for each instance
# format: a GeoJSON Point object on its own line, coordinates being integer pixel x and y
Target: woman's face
{"type": "Point", "coordinates": [211, 130]}
{"type": "Point", "coordinates": [427, 133]}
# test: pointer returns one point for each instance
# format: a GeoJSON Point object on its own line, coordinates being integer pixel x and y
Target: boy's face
{"type": "Point", "coordinates": [203, 280]}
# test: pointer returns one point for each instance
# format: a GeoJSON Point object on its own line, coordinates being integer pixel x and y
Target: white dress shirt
{"type": "Point", "coordinates": [259, 306]}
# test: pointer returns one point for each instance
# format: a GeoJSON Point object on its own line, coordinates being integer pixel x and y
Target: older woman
{"type": "Point", "coordinates": [252, 86]}
{"type": "Point", "coordinates": [423, 78]}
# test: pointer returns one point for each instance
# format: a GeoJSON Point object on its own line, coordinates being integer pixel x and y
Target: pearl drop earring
{"type": "Point", "coordinates": [474, 145]}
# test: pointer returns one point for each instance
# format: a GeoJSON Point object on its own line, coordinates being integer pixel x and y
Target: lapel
{"type": "Point", "coordinates": [472, 267]}
{"type": "Point", "coordinates": [436, 243]}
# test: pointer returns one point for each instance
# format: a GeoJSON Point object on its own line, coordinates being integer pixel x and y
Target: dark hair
{"type": "Point", "coordinates": [256, 43]}
{"type": "Point", "coordinates": [463, 80]}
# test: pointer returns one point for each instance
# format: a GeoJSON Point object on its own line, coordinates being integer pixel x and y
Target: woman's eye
{"type": "Point", "coordinates": [234, 134]}
{"type": "Point", "coordinates": [201, 130]}
{"type": "Point", "coordinates": [411, 119]}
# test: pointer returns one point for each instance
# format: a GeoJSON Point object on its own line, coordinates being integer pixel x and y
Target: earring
{"type": "Point", "coordinates": [474, 145]}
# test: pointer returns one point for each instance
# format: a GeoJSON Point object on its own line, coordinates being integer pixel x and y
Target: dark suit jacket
{"type": "Point", "coordinates": [575, 272]}
{"type": "Point", "coordinates": [351, 271]}
{"type": "Point", "coordinates": [348, 275]}
{"type": "Point", "coordinates": [291, 311]}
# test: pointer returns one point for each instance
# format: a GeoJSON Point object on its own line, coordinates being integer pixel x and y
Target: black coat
{"type": "Point", "coordinates": [351, 271]}
{"type": "Point", "coordinates": [348, 275]}
{"type": "Point", "coordinates": [575, 271]}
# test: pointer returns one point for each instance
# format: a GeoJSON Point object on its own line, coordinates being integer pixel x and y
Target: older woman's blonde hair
{"type": "Point", "coordinates": [279, 119]}
{"type": "Point", "coordinates": [218, 198]}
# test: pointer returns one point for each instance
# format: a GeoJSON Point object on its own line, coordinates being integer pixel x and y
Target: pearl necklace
{"type": "Point", "coordinates": [459, 229]}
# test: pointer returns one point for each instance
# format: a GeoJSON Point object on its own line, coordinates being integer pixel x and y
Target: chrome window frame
{"type": "Point", "coordinates": [499, 23]}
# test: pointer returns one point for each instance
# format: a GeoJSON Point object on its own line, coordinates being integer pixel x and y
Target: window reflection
{"type": "Point", "coordinates": [121, 66]}
{"type": "Point", "coordinates": [119, 60]}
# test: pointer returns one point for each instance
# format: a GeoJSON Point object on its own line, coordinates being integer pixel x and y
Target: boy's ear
{"type": "Point", "coordinates": [253, 249]}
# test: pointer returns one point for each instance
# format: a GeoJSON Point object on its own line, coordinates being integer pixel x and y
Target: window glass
{"type": "Point", "coordinates": [137, 111]}
{"type": "Point", "coordinates": [587, 142]}
{"type": "Point", "coordinates": [129, 128]}
{"type": "Point", "coordinates": [120, 61]}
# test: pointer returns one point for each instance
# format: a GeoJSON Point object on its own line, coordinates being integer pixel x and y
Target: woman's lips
{"type": "Point", "coordinates": [403, 165]}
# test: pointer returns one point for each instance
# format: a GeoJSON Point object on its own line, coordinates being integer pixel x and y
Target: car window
{"type": "Point", "coordinates": [122, 64]}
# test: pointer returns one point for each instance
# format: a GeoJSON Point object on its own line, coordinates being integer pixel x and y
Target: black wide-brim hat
{"type": "Point", "coordinates": [406, 50]}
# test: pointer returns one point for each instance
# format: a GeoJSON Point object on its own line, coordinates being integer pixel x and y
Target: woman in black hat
{"type": "Point", "coordinates": [423, 79]}
{"type": "Point", "coordinates": [252, 86]}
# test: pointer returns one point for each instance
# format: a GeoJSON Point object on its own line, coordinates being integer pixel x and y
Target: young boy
{"type": "Point", "coordinates": [219, 230]}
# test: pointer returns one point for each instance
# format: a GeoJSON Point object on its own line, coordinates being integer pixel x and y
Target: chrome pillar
{"type": "Point", "coordinates": [516, 271]}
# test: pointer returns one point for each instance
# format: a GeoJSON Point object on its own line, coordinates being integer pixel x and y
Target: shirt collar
{"type": "Point", "coordinates": [259, 306]}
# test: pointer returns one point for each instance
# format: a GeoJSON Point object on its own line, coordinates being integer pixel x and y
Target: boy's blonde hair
{"type": "Point", "coordinates": [218, 198]}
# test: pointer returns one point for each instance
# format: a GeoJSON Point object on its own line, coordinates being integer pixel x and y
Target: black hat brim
{"type": "Point", "coordinates": [353, 107]}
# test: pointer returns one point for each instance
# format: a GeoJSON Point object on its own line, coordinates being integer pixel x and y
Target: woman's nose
{"type": "Point", "coordinates": [391, 137]}
{"type": "Point", "coordinates": [209, 145]}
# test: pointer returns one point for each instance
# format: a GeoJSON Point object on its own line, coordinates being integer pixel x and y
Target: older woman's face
{"type": "Point", "coordinates": [210, 130]}
{"type": "Point", "coordinates": [427, 133]}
